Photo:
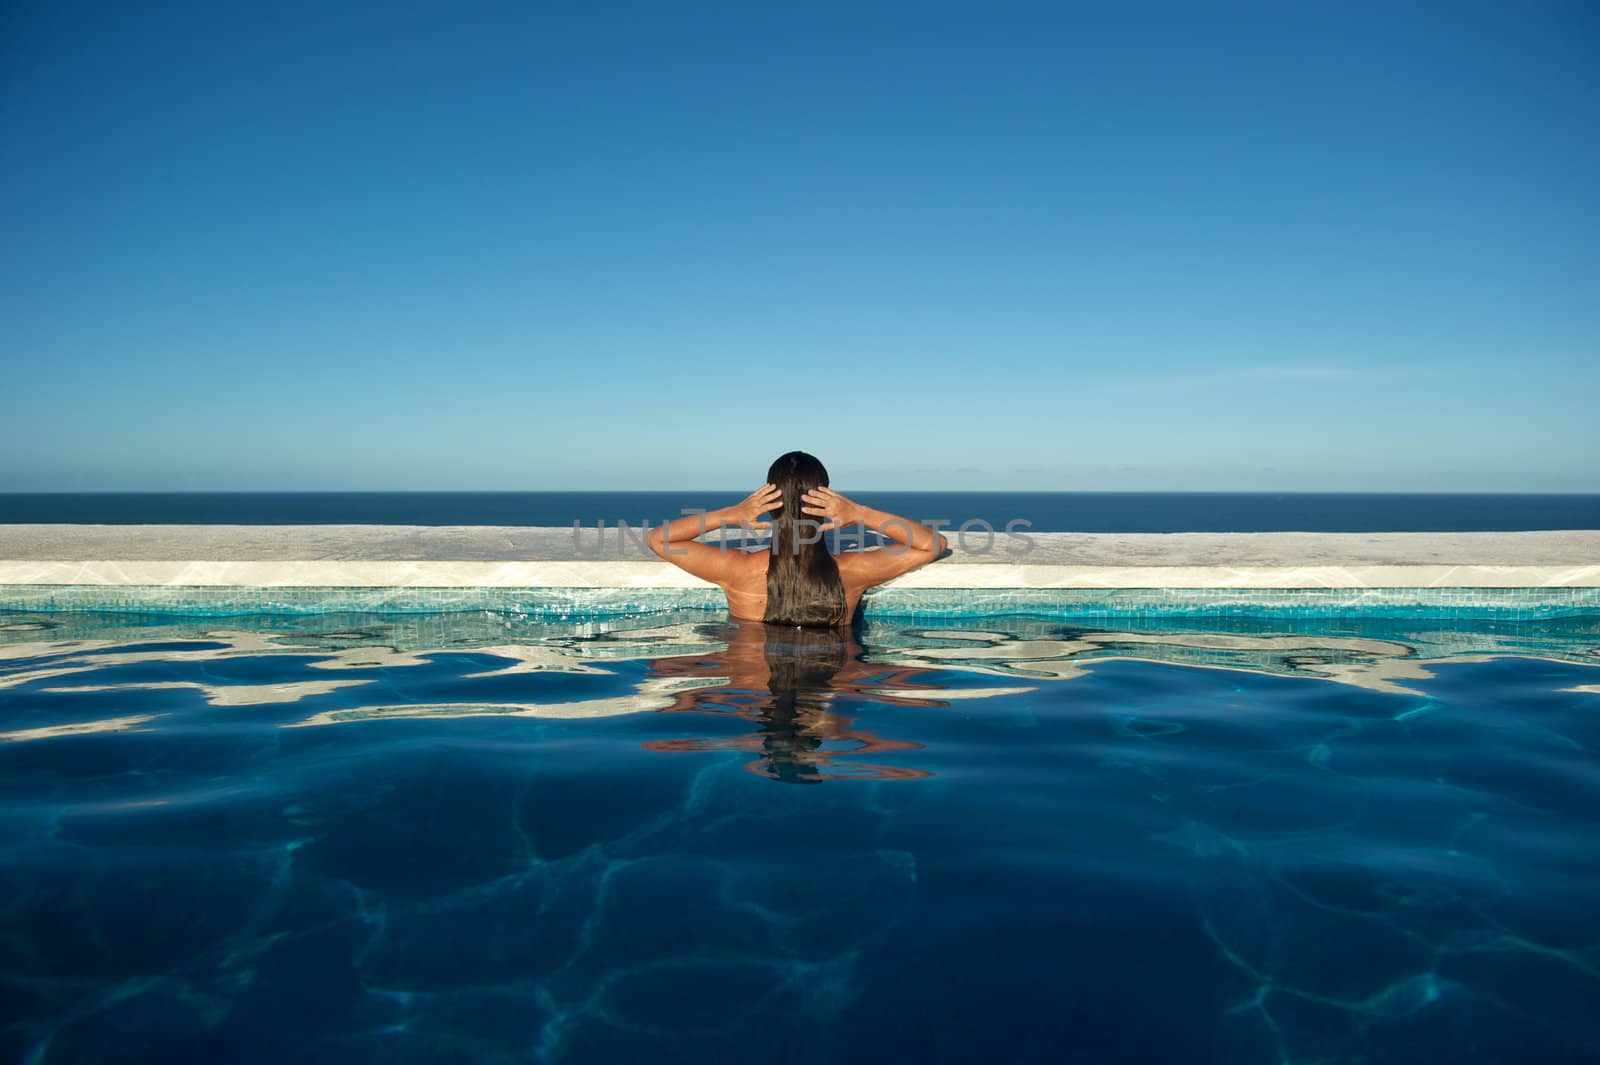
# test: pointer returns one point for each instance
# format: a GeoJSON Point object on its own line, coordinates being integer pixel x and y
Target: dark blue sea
{"type": "Point", "coordinates": [482, 839]}
{"type": "Point", "coordinates": [1046, 511]}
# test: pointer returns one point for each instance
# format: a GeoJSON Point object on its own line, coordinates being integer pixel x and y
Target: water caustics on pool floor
{"type": "Point", "coordinates": [483, 838]}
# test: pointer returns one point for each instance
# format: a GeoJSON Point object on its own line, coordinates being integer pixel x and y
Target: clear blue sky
{"type": "Point", "coordinates": [396, 246]}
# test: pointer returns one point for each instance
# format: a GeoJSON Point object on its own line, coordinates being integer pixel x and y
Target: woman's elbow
{"type": "Point", "coordinates": [922, 556]}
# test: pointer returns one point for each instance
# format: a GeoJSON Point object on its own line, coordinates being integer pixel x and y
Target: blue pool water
{"type": "Point", "coordinates": [477, 838]}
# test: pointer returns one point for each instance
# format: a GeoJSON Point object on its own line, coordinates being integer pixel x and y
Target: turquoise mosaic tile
{"type": "Point", "coordinates": [584, 603]}
{"type": "Point", "coordinates": [1134, 603]}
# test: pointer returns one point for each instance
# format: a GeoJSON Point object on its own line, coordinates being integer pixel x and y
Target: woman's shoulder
{"type": "Point", "coordinates": [857, 569]}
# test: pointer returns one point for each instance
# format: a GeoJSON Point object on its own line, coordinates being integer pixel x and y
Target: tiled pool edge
{"type": "Point", "coordinates": [598, 603]}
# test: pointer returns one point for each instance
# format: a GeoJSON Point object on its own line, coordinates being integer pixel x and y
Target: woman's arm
{"type": "Point", "coordinates": [675, 541]}
{"type": "Point", "coordinates": [911, 535]}
{"type": "Point", "coordinates": [917, 545]}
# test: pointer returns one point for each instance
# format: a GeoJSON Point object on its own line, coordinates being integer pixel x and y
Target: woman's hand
{"type": "Point", "coordinates": [830, 505]}
{"type": "Point", "coordinates": [764, 500]}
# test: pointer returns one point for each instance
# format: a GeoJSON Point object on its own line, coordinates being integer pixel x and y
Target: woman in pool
{"type": "Point", "coordinates": [799, 581]}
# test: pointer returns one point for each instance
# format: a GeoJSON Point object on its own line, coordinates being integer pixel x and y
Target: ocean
{"type": "Point", "coordinates": [1103, 512]}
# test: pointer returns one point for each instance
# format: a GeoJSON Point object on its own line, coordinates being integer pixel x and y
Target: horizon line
{"type": "Point", "coordinates": [738, 491]}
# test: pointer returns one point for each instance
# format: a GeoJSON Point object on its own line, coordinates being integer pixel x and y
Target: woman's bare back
{"type": "Point", "coordinates": [746, 587]}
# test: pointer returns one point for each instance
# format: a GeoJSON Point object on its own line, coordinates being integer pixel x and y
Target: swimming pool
{"type": "Point", "coordinates": [487, 837]}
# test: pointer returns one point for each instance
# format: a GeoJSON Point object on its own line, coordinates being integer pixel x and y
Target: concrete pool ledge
{"type": "Point", "coordinates": [384, 556]}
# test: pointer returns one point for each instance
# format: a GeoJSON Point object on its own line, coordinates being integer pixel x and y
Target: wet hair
{"type": "Point", "coordinates": [803, 583]}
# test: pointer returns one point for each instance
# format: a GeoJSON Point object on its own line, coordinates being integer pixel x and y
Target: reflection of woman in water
{"type": "Point", "coordinates": [790, 681]}
{"type": "Point", "coordinates": [799, 581]}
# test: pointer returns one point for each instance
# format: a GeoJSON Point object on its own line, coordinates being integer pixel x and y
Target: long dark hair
{"type": "Point", "coordinates": [803, 584]}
